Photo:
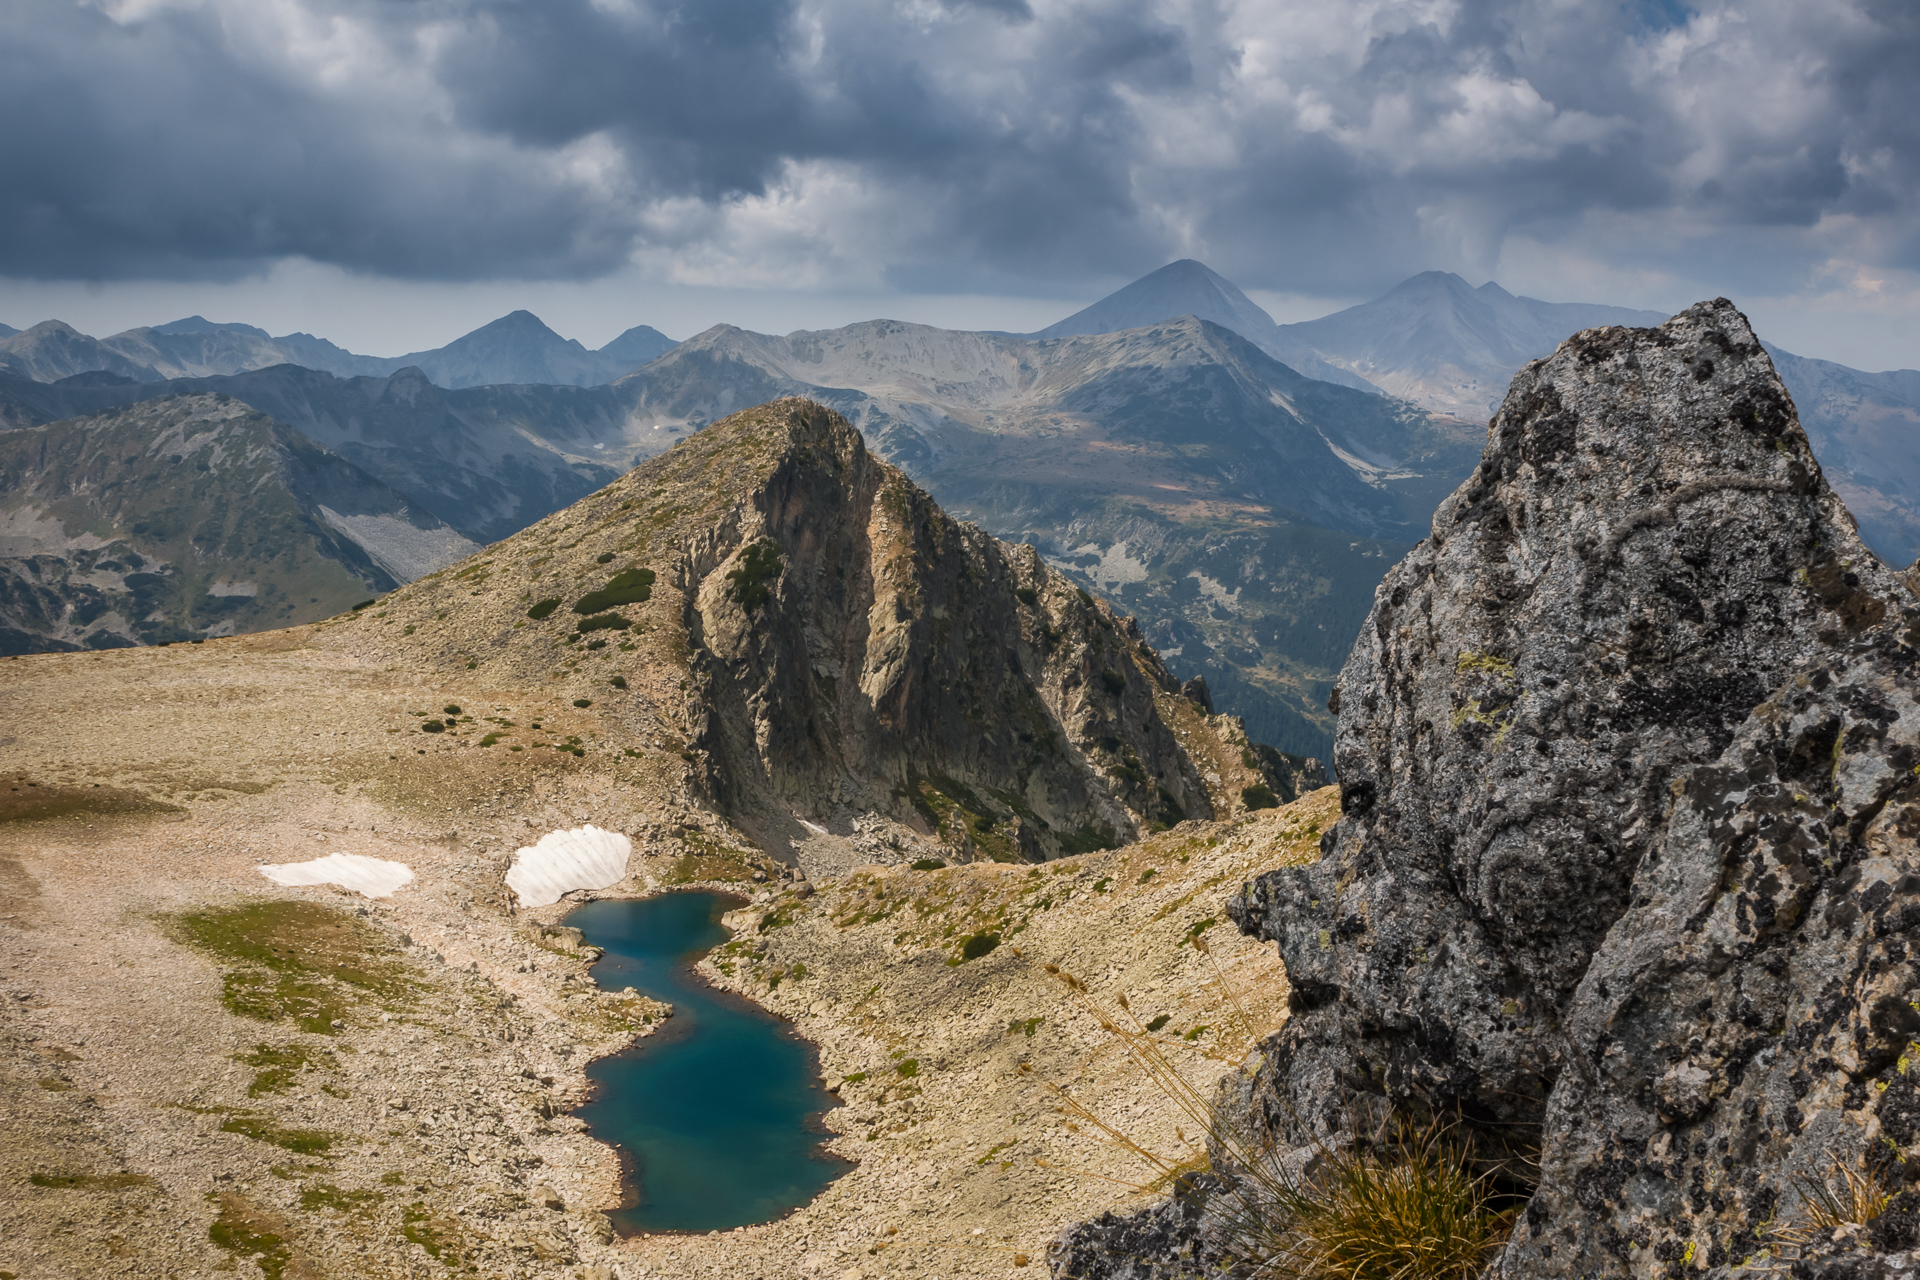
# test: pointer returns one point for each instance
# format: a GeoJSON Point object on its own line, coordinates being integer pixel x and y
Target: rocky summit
{"type": "Point", "coordinates": [1625, 879]}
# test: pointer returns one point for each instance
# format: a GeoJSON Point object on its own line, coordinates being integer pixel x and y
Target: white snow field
{"type": "Point", "coordinates": [562, 861]}
{"type": "Point", "coordinates": [368, 877]}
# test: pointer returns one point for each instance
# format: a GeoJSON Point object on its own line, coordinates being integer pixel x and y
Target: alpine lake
{"type": "Point", "coordinates": [717, 1114]}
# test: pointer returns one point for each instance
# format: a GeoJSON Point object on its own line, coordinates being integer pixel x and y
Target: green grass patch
{"type": "Point", "coordinates": [298, 962]}
{"type": "Point", "coordinates": [976, 945]}
{"type": "Point", "coordinates": [629, 586]}
{"type": "Point", "coordinates": [907, 1068]}
{"type": "Point", "coordinates": [752, 581]}
{"type": "Point", "coordinates": [277, 1066]}
{"type": "Point", "coordinates": [1259, 796]}
{"type": "Point", "coordinates": [305, 1142]}
{"type": "Point", "coordinates": [321, 1195]}
{"type": "Point", "coordinates": [246, 1233]}
{"type": "Point", "coordinates": [604, 622]}
{"type": "Point", "coordinates": [432, 1232]}
{"type": "Point", "coordinates": [928, 864]}
{"type": "Point", "coordinates": [544, 608]}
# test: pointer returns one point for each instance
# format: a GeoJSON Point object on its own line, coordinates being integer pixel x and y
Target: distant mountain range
{"type": "Point", "coordinates": [192, 516]}
{"type": "Point", "coordinates": [1240, 486]}
{"type": "Point", "coordinates": [1440, 343]}
{"type": "Point", "coordinates": [516, 349]}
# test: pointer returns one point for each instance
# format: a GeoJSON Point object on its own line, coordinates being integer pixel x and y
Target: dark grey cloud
{"type": "Point", "coordinates": [954, 144]}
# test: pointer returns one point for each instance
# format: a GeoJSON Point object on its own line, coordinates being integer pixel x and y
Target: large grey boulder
{"type": "Point", "coordinates": [1625, 867]}
{"type": "Point", "coordinates": [1746, 1030]}
{"type": "Point", "coordinates": [1645, 551]}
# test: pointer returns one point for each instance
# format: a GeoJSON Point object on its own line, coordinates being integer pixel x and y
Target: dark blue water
{"type": "Point", "coordinates": [718, 1112]}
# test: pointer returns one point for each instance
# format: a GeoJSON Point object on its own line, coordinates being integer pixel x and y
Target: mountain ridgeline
{"type": "Point", "coordinates": [516, 348]}
{"type": "Point", "coordinates": [830, 646]}
{"type": "Point", "coordinates": [190, 517]}
{"type": "Point", "coordinates": [1239, 486]}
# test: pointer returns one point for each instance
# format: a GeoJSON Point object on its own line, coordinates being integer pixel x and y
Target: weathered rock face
{"type": "Point", "coordinates": [1748, 1024]}
{"type": "Point", "coordinates": [1627, 857]}
{"type": "Point", "coordinates": [1645, 551]}
{"type": "Point", "coordinates": [861, 650]}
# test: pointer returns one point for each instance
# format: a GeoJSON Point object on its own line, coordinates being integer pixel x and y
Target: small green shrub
{"type": "Point", "coordinates": [629, 586]}
{"type": "Point", "coordinates": [1114, 681]}
{"type": "Point", "coordinates": [306, 1142]}
{"type": "Point", "coordinates": [928, 864]}
{"type": "Point", "coordinates": [596, 644]}
{"type": "Point", "coordinates": [1159, 1021]}
{"type": "Point", "coordinates": [544, 608]}
{"type": "Point", "coordinates": [603, 622]}
{"type": "Point", "coordinates": [855, 1078]}
{"type": "Point", "coordinates": [1027, 596]}
{"type": "Point", "coordinates": [908, 1068]}
{"type": "Point", "coordinates": [363, 604]}
{"type": "Point", "coordinates": [605, 557]}
{"type": "Point", "coordinates": [451, 709]}
{"type": "Point", "coordinates": [1259, 796]}
{"type": "Point", "coordinates": [1147, 875]}
{"type": "Point", "coordinates": [583, 702]}
{"type": "Point", "coordinates": [759, 566]}
{"type": "Point", "coordinates": [432, 726]}
{"type": "Point", "coordinates": [976, 945]}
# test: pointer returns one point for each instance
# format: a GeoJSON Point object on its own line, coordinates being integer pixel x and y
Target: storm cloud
{"type": "Point", "coordinates": [960, 145]}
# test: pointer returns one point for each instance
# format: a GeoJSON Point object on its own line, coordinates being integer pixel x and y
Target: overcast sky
{"type": "Point", "coordinates": [391, 173]}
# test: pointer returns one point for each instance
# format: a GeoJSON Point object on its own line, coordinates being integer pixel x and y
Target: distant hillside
{"type": "Point", "coordinates": [517, 348]}
{"type": "Point", "coordinates": [487, 461]}
{"type": "Point", "coordinates": [1189, 288]}
{"type": "Point", "coordinates": [187, 517]}
{"type": "Point", "coordinates": [1439, 342]}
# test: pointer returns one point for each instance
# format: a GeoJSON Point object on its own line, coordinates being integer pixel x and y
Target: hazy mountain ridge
{"type": "Point", "coordinates": [1192, 288]}
{"type": "Point", "coordinates": [517, 348]}
{"type": "Point", "coordinates": [1436, 340]}
{"type": "Point", "coordinates": [488, 461]}
{"type": "Point", "coordinates": [1176, 467]}
{"type": "Point", "coordinates": [1452, 348]}
{"type": "Point", "coordinates": [187, 517]}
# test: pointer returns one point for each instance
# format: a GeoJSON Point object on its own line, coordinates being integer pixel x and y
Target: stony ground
{"type": "Point", "coordinates": [202, 1072]}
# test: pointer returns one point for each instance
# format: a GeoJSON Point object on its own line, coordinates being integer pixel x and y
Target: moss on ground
{"type": "Point", "coordinates": [298, 962]}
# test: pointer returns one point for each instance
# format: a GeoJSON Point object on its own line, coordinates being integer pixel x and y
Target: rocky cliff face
{"type": "Point", "coordinates": [858, 650]}
{"type": "Point", "coordinates": [828, 651]}
{"type": "Point", "coordinates": [1625, 859]}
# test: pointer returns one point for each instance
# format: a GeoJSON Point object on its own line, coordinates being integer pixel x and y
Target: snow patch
{"type": "Point", "coordinates": [562, 861]}
{"type": "Point", "coordinates": [1217, 592]}
{"type": "Point", "coordinates": [368, 877]}
{"type": "Point", "coordinates": [1116, 566]}
{"type": "Point", "coordinates": [398, 546]}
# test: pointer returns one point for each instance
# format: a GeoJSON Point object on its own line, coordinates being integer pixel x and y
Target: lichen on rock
{"type": "Point", "coordinates": [1625, 862]}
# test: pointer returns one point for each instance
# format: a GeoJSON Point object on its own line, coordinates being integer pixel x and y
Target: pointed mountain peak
{"type": "Point", "coordinates": [772, 548]}
{"type": "Point", "coordinates": [200, 324]}
{"type": "Point", "coordinates": [519, 323]}
{"type": "Point", "coordinates": [1180, 288]}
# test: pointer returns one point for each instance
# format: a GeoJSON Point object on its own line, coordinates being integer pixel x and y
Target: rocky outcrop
{"type": "Point", "coordinates": [1625, 858]}
{"type": "Point", "coordinates": [1747, 1029]}
{"type": "Point", "coordinates": [857, 650]}
{"type": "Point", "coordinates": [1645, 551]}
